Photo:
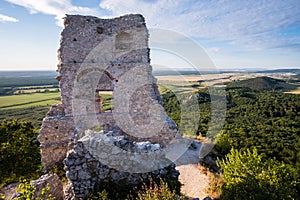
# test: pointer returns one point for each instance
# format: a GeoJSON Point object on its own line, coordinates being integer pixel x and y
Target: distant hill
{"type": "Point", "coordinates": [296, 71]}
{"type": "Point", "coordinates": [263, 83]}
{"type": "Point", "coordinates": [27, 78]}
{"type": "Point", "coordinates": [10, 80]}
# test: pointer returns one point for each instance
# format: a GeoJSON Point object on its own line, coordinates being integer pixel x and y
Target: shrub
{"type": "Point", "coordinates": [148, 191]}
{"type": "Point", "coordinates": [158, 192]}
{"type": "Point", "coordinates": [223, 143]}
{"type": "Point", "coordinates": [103, 195]}
{"type": "Point", "coordinates": [247, 176]}
{"type": "Point", "coordinates": [19, 151]}
{"type": "Point", "coordinates": [26, 191]}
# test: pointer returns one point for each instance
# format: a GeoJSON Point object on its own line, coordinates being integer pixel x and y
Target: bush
{"type": "Point", "coordinates": [27, 191]}
{"type": "Point", "coordinates": [103, 195]}
{"type": "Point", "coordinates": [158, 192]}
{"type": "Point", "coordinates": [223, 143]}
{"type": "Point", "coordinates": [109, 190]}
{"type": "Point", "coordinates": [247, 176]}
{"type": "Point", "coordinates": [148, 191]}
{"type": "Point", "coordinates": [19, 151]}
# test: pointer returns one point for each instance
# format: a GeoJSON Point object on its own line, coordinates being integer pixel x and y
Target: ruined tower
{"type": "Point", "coordinates": [106, 55]}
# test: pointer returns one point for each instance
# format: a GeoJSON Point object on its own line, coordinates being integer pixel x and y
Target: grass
{"type": "Point", "coordinates": [28, 100]}
{"type": "Point", "coordinates": [27, 107]}
{"type": "Point", "coordinates": [33, 107]}
{"type": "Point", "coordinates": [107, 99]}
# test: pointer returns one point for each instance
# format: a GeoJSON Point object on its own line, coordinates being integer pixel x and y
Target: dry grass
{"type": "Point", "coordinates": [215, 182]}
{"type": "Point", "coordinates": [202, 139]}
{"type": "Point", "coordinates": [183, 83]}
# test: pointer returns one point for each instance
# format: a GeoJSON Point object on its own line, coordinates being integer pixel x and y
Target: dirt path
{"type": "Point", "coordinates": [194, 182]}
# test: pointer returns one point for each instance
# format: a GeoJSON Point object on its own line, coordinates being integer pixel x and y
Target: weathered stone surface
{"type": "Point", "coordinates": [54, 136]}
{"type": "Point", "coordinates": [53, 182]}
{"type": "Point", "coordinates": [89, 171]}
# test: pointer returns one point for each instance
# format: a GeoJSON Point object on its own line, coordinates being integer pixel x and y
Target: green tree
{"type": "Point", "coordinates": [19, 150]}
{"type": "Point", "coordinates": [248, 176]}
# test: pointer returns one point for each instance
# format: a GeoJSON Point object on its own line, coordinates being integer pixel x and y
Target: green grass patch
{"type": "Point", "coordinates": [107, 100]}
{"type": "Point", "coordinates": [27, 107]}
{"type": "Point", "coordinates": [28, 100]}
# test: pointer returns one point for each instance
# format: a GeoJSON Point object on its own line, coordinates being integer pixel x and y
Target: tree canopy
{"type": "Point", "coordinates": [19, 150]}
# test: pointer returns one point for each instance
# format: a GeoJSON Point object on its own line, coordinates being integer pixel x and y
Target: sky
{"type": "Point", "coordinates": [235, 34]}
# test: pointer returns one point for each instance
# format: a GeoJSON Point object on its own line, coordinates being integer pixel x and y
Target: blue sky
{"type": "Point", "coordinates": [234, 33]}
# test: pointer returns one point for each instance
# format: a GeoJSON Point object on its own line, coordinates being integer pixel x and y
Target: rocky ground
{"type": "Point", "coordinates": [194, 182]}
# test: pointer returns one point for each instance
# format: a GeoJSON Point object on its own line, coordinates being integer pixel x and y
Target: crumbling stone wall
{"type": "Point", "coordinates": [52, 183]}
{"type": "Point", "coordinates": [85, 171]}
{"type": "Point", "coordinates": [104, 55]}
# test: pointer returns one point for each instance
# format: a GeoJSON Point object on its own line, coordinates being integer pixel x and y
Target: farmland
{"type": "Point", "coordinates": [18, 82]}
{"type": "Point", "coordinates": [27, 107]}
{"type": "Point", "coordinates": [33, 107]}
{"type": "Point", "coordinates": [37, 91]}
{"type": "Point", "coordinates": [28, 100]}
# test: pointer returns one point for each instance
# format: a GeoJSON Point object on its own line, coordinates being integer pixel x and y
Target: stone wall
{"type": "Point", "coordinates": [50, 182]}
{"type": "Point", "coordinates": [106, 55]}
{"type": "Point", "coordinates": [85, 171]}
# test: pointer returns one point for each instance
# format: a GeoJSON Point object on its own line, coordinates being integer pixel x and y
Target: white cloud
{"type": "Point", "coordinates": [256, 25]}
{"type": "Point", "coordinates": [5, 18]}
{"type": "Point", "coordinates": [58, 8]}
{"type": "Point", "coordinates": [250, 23]}
{"type": "Point", "coordinates": [213, 50]}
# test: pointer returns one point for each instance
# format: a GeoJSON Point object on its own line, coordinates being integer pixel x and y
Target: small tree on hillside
{"type": "Point", "coordinates": [247, 176]}
{"type": "Point", "coordinates": [19, 150]}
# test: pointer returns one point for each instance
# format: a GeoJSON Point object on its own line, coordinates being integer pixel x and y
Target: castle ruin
{"type": "Point", "coordinates": [99, 56]}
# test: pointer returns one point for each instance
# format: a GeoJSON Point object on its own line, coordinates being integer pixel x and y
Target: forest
{"type": "Point", "coordinates": [266, 122]}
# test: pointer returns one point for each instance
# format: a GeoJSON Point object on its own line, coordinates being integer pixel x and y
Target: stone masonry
{"type": "Point", "coordinates": [52, 183]}
{"type": "Point", "coordinates": [106, 55]}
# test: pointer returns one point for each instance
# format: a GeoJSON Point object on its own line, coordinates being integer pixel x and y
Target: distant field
{"type": "Point", "coordinates": [15, 82]}
{"type": "Point", "coordinates": [27, 107]}
{"type": "Point", "coordinates": [36, 89]}
{"type": "Point", "coordinates": [179, 87]}
{"type": "Point", "coordinates": [297, 91]}
{"type": "Point", "coordinates": [33, 107]}
{"type": "Point", "coordinates": [28, 100]}
{"type": "Point", "coordinates": [218, 79]}
{"type": "Point", "coordinates": [29, 91]}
